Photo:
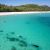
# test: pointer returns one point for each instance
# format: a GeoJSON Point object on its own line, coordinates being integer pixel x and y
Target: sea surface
{"type": "Point", "coordinates": [25, 32]}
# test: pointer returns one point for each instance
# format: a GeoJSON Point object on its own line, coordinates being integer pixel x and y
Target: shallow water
{"type": "Point", "coordinates": [20, 32]}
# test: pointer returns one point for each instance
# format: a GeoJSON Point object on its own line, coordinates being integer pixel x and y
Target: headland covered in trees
{"type": "Point", "coordinates": [23, 8]}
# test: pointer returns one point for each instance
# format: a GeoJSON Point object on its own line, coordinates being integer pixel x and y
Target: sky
{"type": "Point", "coordinates": [22, 2]}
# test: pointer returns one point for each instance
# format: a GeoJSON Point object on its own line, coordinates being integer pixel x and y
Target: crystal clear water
{"type": "Point", "coordinates": [25, 32]}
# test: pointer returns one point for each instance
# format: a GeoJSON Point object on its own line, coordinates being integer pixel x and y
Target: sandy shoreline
{"type": "Point", "coordinates": [10, 13]}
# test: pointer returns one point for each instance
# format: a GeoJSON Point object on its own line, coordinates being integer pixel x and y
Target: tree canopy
{"type": "Point", "coordinates": [27, 7]}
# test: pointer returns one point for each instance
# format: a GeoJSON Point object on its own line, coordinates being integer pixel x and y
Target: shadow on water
{"type": "Point", "coordinates": [44, 20]}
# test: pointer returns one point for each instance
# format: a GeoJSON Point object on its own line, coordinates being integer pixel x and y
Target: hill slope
{"type": "Point", "coordinates": [27, 7]}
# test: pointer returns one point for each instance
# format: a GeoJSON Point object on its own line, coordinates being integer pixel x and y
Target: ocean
{"type": "Point", "coordinates": [25, 32]}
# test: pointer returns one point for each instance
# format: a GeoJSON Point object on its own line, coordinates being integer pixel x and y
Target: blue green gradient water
{"type": "Point", "coordinates": [35, 29]}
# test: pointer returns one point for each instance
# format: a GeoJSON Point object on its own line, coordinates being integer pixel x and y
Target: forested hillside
{"type": "Point", "coordinates": [27, 7]}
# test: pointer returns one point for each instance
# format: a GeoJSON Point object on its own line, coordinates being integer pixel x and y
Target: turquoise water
{"type": "Point", "coordinates": [33, 29]}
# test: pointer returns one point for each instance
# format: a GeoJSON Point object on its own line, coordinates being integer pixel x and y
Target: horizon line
{"type": "Point", "coordinates": [26, 4]}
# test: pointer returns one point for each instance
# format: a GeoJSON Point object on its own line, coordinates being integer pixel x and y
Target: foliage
{"type": "Point", "coordinates": [27, 7]}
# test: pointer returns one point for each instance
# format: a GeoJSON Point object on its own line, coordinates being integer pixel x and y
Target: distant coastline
{"type": "Point", "coordinates": [24, 8]}
{"type": "Point", "coordinates": [11, 13]}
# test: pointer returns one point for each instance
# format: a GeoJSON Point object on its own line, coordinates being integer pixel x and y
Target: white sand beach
{"type": "Point", "coordinates": [10, 13]}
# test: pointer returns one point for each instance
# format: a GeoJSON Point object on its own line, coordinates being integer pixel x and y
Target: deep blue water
{"type": "Point", "coordinates": [25, 32]}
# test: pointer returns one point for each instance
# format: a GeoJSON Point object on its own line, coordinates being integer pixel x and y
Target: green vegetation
{"type": "Point", "coordinates": [27, 7]}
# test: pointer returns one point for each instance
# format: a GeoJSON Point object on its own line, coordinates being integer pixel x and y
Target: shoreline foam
{"type": "Point", "coordinates": [11, 13]}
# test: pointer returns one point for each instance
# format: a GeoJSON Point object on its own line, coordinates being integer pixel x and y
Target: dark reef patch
{"type": "Point", "coordinates": [17, 39]}
{"type": "Point", "coordinates": [23, 43]}
{"type": "Point", "coordinates": [0, 45]}
{"type": "Point", "coordinates": [35, 46]}
{"type": "Point", "coordinates": [27, 22]}
{"type": "Point", "coordinates": [12, 32]}
{"type": "Point", "coordinates": [21, 37]}
{"type": "Point", "coordinates": [13, 39]}
{"type": "Point", "coordinates": [1, 31]}
{"type": "Point", "coordinates": [13, 48]}
{"type": "Point", "coordinates": [4, 21]}
{"type": "Point", "coordinates": [44, 20]}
